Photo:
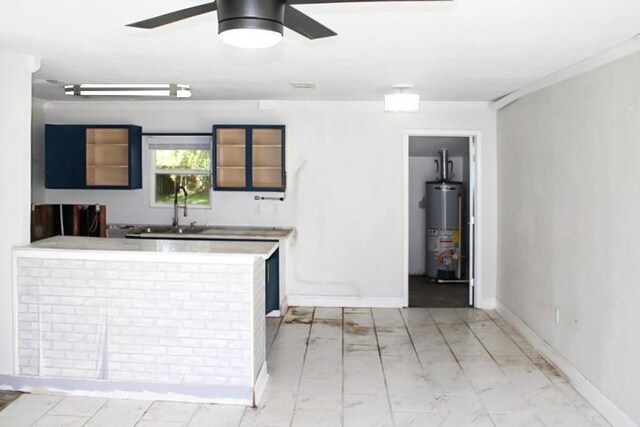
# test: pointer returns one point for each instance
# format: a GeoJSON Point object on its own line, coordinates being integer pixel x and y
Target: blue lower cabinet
{"type": "Point", "coordinates": [272, 282]}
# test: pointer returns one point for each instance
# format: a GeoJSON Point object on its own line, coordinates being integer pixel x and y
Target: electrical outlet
{"type": "Point", "coordinates": [557, 315]}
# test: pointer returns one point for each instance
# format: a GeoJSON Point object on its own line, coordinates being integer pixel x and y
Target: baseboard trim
{"type": "Point", "coordinates": [487, 303]}
{"type": "Point", "coordinates": [590, 392]}
{"type": "Point", "coordinates": [232, 395]}
{"type": "Point", "coordinates": [260, 385]}
{"type": "Point", "coordinates": [345, 301]}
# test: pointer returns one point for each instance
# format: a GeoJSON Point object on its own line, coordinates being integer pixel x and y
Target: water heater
{"type": "Point", "coordinates": [444, 222]}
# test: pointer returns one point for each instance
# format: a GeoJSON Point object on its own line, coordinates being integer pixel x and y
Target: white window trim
{"type": "Point", "coordinates": [152, 181]}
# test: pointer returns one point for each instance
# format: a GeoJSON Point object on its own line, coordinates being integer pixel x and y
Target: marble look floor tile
{"type": "Point", "coordinates": [160, 423]}
{"type": "Point", "coordinates": [217, 416]}
{"type": "Point", "coordinates": [302, 315]}
{"type": "Point", "coordinates": [434, 419]}
{"type": "Point", "coordinates": [327, 328]}
{"type": "Point", "coordinates": [361, 410]}
{"type": "Point", "coordinates": [412, 396]}
{"type": "Point", "coordinates": [417, 317]}
{"type": "Point", "coordinates": [320, 393]}
{"type": "Point", "coordinates": [462, 410]}
{"type": "Point", "coordinates": [395, 344]}
{"type": "Point", "coordinates": [328, 313]}
{"type": "Point", "coordinates": [26, 410]}
{"type": "Point", "coordinates": [432, 367]}
{"type": "Point", "coordinates": [516, 420]}
{"type": "Point", "coordinates": [276, 409]}
{"type": "Point", "coordinates": [447, 379]}
{"type": "Point", "coordinates": [567, 418]}
{"type": "Point", "coordinates": [119, 412]}
{"type": "Point", "coordinates": [445, 316]}
{"type": "Point", "coordinates": [171, 411]}
{"type": "Point", "coordinates": [78, 406]}
{"type": "Point", "coordinates": [503, 398]}
{"type": "Point", "coordinates": [317, 418]}
{"type": "Point", "coordinates": [363, 373]}
{"type": "Point", "coordinates": [60, 421]}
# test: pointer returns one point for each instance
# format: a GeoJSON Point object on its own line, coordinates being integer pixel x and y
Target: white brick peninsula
{"type": "Point", "coordinates": [163, 319]}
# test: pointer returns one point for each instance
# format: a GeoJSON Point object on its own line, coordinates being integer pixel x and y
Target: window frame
{"type": "Point", "coordinates": [153, 171]}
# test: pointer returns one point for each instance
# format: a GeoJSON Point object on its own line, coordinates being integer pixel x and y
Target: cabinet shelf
{"type": "Point", "coordinates": [254, 159]}
{"type": "Point", "coordinates": [93, 156]}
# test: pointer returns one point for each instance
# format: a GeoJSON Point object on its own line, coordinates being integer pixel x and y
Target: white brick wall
{"type": "Point", "coordinates": [140, 321]}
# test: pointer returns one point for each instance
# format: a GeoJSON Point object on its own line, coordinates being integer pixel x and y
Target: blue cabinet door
{"type": "Point", "coordinates": [272, 283]}
{"type": "Point", "coordinates": [65, 156]}
{"type": "Point", "coordinates": [238, 166]}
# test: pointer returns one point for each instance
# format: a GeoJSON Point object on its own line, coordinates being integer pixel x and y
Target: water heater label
{"type": "Point", "coordinates": [442, 240]}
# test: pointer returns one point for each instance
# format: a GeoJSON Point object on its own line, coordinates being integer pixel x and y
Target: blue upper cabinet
{"type": "Point", "coordinates": [249, 158]}
{"type": "Point", "coordinates": [93, 157]}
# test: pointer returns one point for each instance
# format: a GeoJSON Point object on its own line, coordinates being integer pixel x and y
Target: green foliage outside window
{"type": "Point", "coordinates": [196, 179]}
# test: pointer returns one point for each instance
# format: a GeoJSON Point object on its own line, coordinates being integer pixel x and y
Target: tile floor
{"type": "Point", "coordinates": [363, 367]}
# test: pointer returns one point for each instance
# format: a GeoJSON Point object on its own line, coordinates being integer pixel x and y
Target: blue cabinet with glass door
{"type": "Point", "coordinates": [93, 156]}
{"type": "Point", "coordinates": [249, 158]}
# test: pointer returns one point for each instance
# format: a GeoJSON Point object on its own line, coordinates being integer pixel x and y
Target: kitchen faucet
{"type": "Point", "coordinates": [176, 220]}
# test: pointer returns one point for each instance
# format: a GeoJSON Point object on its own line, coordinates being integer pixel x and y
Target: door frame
{"type": "Point", "coordinates": [475, 190]}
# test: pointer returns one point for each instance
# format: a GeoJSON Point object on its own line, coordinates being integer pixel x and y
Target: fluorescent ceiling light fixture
{"type": "Point", "coordinates": [114, 89]}
{"type": "Point", "coordinates": [402, 102]}
{"type": "Point", "coordinates": [251, 38]}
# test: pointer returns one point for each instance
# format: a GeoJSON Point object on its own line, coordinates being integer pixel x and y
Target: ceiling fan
{"type": "Point", "coordinates": [255, 23]}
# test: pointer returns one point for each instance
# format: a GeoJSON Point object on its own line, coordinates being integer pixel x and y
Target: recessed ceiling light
{"type": "Point", "coordinates": [303, 85]}
{"type": "Point", "coordinates": [109, 89]}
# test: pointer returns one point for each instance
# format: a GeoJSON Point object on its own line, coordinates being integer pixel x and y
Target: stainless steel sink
{"type": "Point", "coordinates": [153, 229]}
{"type": "Point", "coordinates": [186, 230]}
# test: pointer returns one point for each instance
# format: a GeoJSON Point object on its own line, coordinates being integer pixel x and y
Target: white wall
{"type": "Point", "coordinates": [15, 176]}
{"type": "Point", "coordinates": [344, 163]}
{"type": "Point", "coordinates": [569, 202]}
{"type": "Point", "coordinates": [421, 170]}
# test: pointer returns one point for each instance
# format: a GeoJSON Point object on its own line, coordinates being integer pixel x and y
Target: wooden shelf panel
{"type": "Point", "coordinates": [230, 177]}
{"type": "Point", "coordinates": [230, 155]}
{"type": "Point", "coordinates": [107, 136]}
{"type": "Point", "coordinates": [266, 158]}
{"type": "Point", "coordinates": [107, 176]}
{"type": "Point", "coordinates": [266, 137]}
{"type": "Point", "coordinates": [231, 136]}
{"type": "Point", "coordinates": [267, 178]}
{"type": "Point", "coordinates": [107, 154]}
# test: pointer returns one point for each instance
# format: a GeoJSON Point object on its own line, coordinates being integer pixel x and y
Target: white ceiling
{"type": "Point", "coordinates": [464, 50]}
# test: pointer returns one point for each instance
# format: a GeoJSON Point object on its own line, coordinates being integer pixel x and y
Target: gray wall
{"type": "Point", "coordinates": [569, 204]}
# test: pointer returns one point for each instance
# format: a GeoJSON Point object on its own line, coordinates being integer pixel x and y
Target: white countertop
{"type": "Point", "coordinates": [219, 232]}
{"type": "Point", "coordinates": [263, 249]}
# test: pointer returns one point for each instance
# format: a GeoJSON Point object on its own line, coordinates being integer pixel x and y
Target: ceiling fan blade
{"type": "Point", "coordinates": [305, 25]}
{"type": "Point", "coordinates": [347, 1]}
{"type": "Point", "coordinates": [178, 15]}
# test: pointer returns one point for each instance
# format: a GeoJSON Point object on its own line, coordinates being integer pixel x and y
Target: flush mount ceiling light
{"type": "Point", "coordinates": [401, 101]}
{"type": "Point", "coordinates": [254, 23]}
{"type": "Point", "coordinates": [108, 89]}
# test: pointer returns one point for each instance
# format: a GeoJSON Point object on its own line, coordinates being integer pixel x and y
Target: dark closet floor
{"type": "Point", "coordinates": [425, 293]}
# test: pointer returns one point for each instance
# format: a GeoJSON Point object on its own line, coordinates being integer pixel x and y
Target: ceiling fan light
{"type": "Point", "coordinates": [251, 38]}
{"type": "Point", "coordinates": [402, 103]}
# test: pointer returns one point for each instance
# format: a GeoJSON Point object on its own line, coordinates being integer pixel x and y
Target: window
{"type": "Point", "coordinates": [186, 163]}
